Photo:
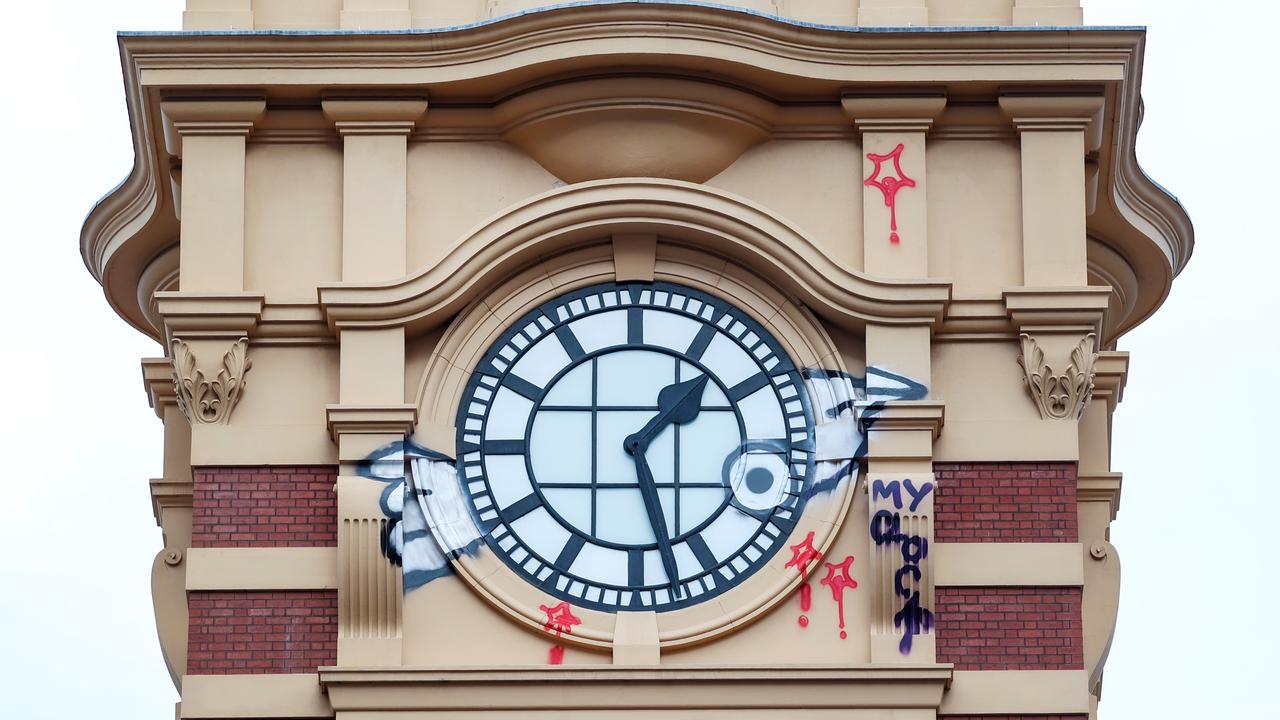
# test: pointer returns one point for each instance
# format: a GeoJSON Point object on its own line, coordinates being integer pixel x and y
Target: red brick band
{"type": "Point", "coordinates": [1010, 628]}
{"type": "Point", "coordinates": [1005, 502]}
{"type": "Point", "coordinates": [240, 633]}
{"type": "Point", "coordinates": [267, 506]}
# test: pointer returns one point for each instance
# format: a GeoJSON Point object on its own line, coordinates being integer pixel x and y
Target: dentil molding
{"type": "Point", "coordinates": [208, 401]}
{"type": "Point", "coordinates": [1059, 395]}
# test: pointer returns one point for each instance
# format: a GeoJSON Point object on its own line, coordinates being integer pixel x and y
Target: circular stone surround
{"type": "Point", "coordinates": [472, 333]}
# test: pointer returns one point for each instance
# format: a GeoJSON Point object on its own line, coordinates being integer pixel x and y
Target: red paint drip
{"type": "Point", "coordinates": [838, 581]}
{"type": "Point", "coordinates": [889, 185]}
{"type": "Point", "coordinates": [560, 620]}
{"type": "Point", "coordinates": [803, 553]}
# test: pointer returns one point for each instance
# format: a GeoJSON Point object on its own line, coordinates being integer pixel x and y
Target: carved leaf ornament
{"type": "Point", "coordinates": [1060, 396]}
{"type": "Point", "coordinates": [206, 401]}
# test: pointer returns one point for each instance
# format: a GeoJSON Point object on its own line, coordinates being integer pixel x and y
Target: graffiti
{"type": "Point", "coordinates": [838, 581]}
{"type": "Point", "coordinates": [802, 554]}
{"type": "Point", "coordinates": [913, 618]}
{"type": "Point", "coordinates": [889, 185]}
{"type": "Point", "coordinates": [428, 519]}
{"type": "Point", "coordinates": [560, 620]}
{"type": "Point", "coordinates": [845, 408]}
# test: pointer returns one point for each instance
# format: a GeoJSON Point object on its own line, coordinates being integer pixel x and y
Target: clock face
{"type": "Point", "coordinates": [635, 446]}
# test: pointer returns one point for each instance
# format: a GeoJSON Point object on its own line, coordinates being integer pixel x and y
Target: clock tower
{"type": "Point", "coordinates": [636, 359]}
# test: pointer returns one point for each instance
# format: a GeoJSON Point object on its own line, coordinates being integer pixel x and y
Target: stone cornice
{"type": "Point", "coordinates": [137, 221]}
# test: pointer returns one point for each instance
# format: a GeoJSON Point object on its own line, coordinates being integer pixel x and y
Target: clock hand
{"type": "Point", "coordinates": [677, 404]}
{"type": "Point", "coordinates": [653, 506]}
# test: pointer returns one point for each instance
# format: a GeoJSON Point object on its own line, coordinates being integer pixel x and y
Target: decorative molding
{"type": "Point", "coordinates": [683, 212]}
{"type": "Point", "coordinates": [205, 401]}
{"type": "Point", "coordinates": [1059, 396]}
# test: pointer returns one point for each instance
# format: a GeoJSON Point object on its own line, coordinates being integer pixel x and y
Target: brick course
{"type": "Point", "coordinates": [239, 633]}
{"type": "Point", "coordinates": [268, 506]}
{"type": "Point", "coordinates": [1010, 628]}
{"type": "Point", "coordinates": [1005, 502]}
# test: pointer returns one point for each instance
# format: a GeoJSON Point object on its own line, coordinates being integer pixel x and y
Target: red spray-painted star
{"type": "Point", "coordinates": [889, 185]}
{"type": "Point", "coordinates": [802, 554]}
{"type": "Point", "coordinates": [560, 618]}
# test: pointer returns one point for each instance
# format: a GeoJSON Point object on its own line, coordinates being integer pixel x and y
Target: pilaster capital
{"type": "Point", "coordinates": [1061, 310]}
{"type": "Point", "coordinates": [210, 315]}
{"type": "Point", "coordinates": [351, 419]}
{"type": "Point", "coordinates": [157, 380]}
{"type": "Point", "coordinates": [374, 115]}
{"type": "Point", "coordinates": [1054, 112]}
{"type": "Point", "coordinates": [901, 434]}
{"type": "Point", "coordinates": [167, 494]}
{"type": "Point", "coordinates": [208, 116]}
{"type": "Point", "coordinates": [907, 416]}
{"type": "Point", "coordinates": [1100, 487]}
{"type": "Point", "coordinates": [893, 113]}
{"type": "Point", "coordinates": [1111, 372]}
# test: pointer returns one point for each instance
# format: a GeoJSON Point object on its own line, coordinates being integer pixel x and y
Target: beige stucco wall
{"type": "Point", "coordinates": [372, 14]}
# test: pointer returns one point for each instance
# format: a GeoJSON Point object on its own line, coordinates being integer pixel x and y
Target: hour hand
{"type": "Point", "coordinates": [678, 403]}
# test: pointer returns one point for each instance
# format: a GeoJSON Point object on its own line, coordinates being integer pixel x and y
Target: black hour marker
{"type": "Point", "coordinates": [522, 507]}
{"type": "Point", "coordinates": [703, 553]}
{"type": "Point", "coordinates": [635, 326]}
{"type": "Point", "coordinates": [635, 568]}
{"type": "Point", "coordinates": [570, 552]}
{"type": "Point", "coordinates": [570, 343]}
{"type": "Point", "coordinates": [748, 386]}
{"type": "Point", "coordinates": [503, 447]}
{"type": "Point", "coordinates": [522, 387]}
{"type": "Point", "coordinates": [705, 335]}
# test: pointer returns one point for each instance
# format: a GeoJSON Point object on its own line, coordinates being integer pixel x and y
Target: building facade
{"type": "Point", "coordinates": [636, 359]}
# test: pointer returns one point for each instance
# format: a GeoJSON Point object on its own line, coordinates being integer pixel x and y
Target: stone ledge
{"type": "Point", "coordinates": [1007, 564]}
{"type": "Point", "coordinates": [488, 691]}
{"type": "Point", "coordinates": [285, 568]}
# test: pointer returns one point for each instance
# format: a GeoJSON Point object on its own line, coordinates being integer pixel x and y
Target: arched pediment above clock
{"type": "Point", "coordinates": [684, 213]}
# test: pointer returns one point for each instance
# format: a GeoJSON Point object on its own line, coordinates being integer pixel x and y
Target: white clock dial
{"type": "Point", "coordinates": [639, 446]}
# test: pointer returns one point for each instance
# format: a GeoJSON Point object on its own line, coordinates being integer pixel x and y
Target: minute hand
{"type": "Point", "coordinates": [678, 403]}
{"type": "Point", "coordinates": [653, 506]}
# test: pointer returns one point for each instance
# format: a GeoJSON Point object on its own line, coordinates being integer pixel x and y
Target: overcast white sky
{"type": "Point", "coordinates": [1197, 635]}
